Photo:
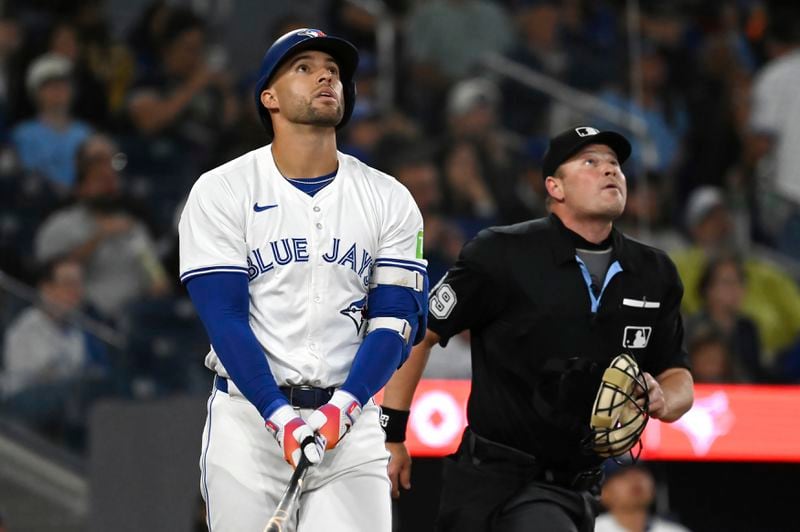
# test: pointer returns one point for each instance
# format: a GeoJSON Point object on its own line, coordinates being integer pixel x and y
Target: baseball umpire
{"type": "Point", "coordinates": [576, 340]}
{"type": "Point", "coordinates": [280, 251]}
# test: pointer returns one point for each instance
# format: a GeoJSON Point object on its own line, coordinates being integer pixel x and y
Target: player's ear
{"type": "Point", "coordinates": [554, 188]}
{"type": "Point", "coordinates": [269, 99]}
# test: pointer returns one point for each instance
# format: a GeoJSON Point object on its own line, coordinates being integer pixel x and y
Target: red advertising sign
{"type": "Point", "coordinates": [726, 423]}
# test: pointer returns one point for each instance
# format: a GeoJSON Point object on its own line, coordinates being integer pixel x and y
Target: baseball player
{"type": "Point", "coordinates": [306, 268]}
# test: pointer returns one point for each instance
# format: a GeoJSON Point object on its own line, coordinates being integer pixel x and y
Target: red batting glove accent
{"type": "Point", "coordinates": [333, 419]}
{"type": "Point", "coordinates": [291, 432]}
{"type": "Point", "coordinates": [331, 430]}
{"type": "Point", "coordinates": [291, 447]}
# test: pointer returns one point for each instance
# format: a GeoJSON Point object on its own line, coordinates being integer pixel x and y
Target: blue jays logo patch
{"type": "Point", "coordinates": [356, 312]}
{"type": "Point", "coordinates": [312, 33]}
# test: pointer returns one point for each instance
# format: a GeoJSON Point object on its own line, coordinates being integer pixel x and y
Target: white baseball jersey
{"type": "Point", "coordinates": [309, 259]}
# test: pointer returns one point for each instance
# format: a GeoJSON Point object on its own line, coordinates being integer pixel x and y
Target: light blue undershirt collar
{"type": "Point", "coordinates": [613, 270]}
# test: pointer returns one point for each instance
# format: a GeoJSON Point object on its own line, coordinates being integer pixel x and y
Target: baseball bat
{"type": "Point", "coordinates": [286, 505]}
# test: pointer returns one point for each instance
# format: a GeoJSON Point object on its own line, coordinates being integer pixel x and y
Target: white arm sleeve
{"type": "Point", "coordinates": [212, 230]}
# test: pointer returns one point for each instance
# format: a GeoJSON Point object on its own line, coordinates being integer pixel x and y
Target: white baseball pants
{"type": "Point", "coordinates": [243, 474]}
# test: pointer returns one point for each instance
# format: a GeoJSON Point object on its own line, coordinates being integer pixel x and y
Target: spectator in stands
{"type": "Point", "coordinates": [90, 95]}
{"type": "Point", "coordinates": [592, 36]}
{"type": "Point", "coordinates": [356, 22]}
{"type": "Point", "coordinates": [771, 298]}
{"type": "Point", "coordinates": [50, 363]}
{"type": "Point", "coordinates": [103, 57]}
{"type": "Point", "coordinates": [40, 345]}
{"type": "Point", "coordinates": [48, 143]}
{"type": "Point", "coordinates": [483, 162]}
{"type": "Point", "coordinates": [628, 494]}
{"type": "Point", "coordinates": [10, 39]}
{"type": "Point", "coordinates": [146, 33]}
{"type": "Point", "coordinates": [412, 163]}
{"type": "Point", "coordinates": [646, 215]}
{"type": "Point", "coordinates": [469, 198]}
{"type": "Point", "coordinates": [530, 190]}
{"type": "Point", "coordinates": [445, 40]}
{"type": "Point", "coordinates": [363, 135]}
{"type": "Point", "coordinates": [722, 287]}
{"type": "Point", "coordinates": [120, 259]}
{"type": "Point", "coordinates": [415, 168]}
{"type": "Point", "coordinates": [365, 129]}
{"type": "Point", "coordinates": [663, 111]}
{"type": "Point", "coordinates": [472, 113]}
{"type": "Point", "coordinates": [181, 109]}
{"type": "Point", "coordinates": [717, 106]}
{"type": "Point", "coordinates": [540, 48]}
{"type": "Point", "coordinates": [775, 130]}
{"type": "Point", "coordinates": [710, 356]}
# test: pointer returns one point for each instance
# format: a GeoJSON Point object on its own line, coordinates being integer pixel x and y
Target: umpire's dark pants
{"type": "Point", "coordinates": [489, 488]}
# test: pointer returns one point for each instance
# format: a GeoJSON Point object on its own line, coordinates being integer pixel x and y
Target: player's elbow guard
{"type": "Point", "coordinates": [398, 301]}
{"type": "Point", "coordinates": [405, 328]}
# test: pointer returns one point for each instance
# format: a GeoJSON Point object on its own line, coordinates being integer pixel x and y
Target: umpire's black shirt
{"type": "Point", "coordinates": [525, 296]}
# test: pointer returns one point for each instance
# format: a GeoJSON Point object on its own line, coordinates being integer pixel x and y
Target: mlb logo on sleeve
{"type": "Point", "coordinates": [636, 337]}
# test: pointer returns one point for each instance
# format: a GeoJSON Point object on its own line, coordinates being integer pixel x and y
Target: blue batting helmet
{"type": "Point", "coordinates": [343, 52]}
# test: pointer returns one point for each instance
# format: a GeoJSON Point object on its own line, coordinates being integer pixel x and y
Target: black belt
{"type": "Point", "coordinates": [298, 396]}
{"type": "Point", "coordinates": [486, 451]}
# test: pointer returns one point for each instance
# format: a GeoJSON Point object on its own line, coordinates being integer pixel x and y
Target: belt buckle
{"type": "Point", "coordinates": [300, 388]}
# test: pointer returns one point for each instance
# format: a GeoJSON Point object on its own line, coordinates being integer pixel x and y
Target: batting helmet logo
{"type": "Point", "coordinates": [312, 33]}
{"type": "Point", "coordinates": [344, 53]}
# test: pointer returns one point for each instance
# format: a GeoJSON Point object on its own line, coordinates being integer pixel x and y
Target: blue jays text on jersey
{"type": "Point", "coordinates": [287, 250]}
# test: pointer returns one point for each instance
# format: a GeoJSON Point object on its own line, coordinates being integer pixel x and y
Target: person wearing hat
{"type": "Point", "coordinates": [280, 250]}
{"type": "Point", "coordinates": [771, 297]}
{"type": "Point", "coordinates": [48, 143]}
{"type": "Point", "coordinates": [549, 303]}
{"type": "Point", "coordinates": [628, 493]}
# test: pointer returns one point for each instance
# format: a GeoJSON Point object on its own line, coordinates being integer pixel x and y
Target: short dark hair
{"type": "Point", "coordinates": [703, 334]}
{"type": "Point", "coordinates": [46, 271]}
{"type": "Point", "coordinates": [82, 159]}
{"type": "Point", "coordinates": [711, 267]}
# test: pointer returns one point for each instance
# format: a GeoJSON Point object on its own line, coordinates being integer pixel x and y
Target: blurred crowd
{"type": "Point", "coordinates": [102, 134]}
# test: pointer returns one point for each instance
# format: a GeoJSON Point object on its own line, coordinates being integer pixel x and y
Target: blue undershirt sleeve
{"type": "Point", "coordinates": [383, 350]}
{"type": "Point", "coordinates": [222, 301]}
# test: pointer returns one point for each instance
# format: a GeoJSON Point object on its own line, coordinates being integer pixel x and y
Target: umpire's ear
{"type": "Point", "coordinates": [553, 186]}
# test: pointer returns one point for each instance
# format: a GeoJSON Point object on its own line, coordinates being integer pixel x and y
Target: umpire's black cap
{"type": "Point", "coordinates": [568, 143]}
